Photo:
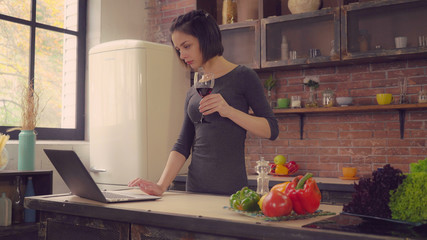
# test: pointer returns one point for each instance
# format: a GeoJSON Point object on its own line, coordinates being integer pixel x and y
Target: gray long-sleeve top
{"type": "Point", "coordinates": [218, 147]}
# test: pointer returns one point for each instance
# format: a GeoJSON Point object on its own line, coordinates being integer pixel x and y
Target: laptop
{"type": "Point", "coordinates": [79, 181]}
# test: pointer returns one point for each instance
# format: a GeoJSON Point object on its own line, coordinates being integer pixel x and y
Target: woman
{"type": "Point", "coordinates": [217, 147]}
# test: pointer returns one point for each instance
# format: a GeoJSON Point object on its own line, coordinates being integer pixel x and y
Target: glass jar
{"type": "Point", "coordinates": [328, 98]}
{"type": "Point", "coordinates": [312, 98]}
{"type": "Point", "coordinates": [4, 159]}
{"type": "Point", "coordinates": [296, 102]}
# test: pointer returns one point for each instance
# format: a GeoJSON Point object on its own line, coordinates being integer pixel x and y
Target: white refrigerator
{"type": "Point", "coordinates": [136, 106]}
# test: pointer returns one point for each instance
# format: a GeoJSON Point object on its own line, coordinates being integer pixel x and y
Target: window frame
{"type": "Point", "coordinates": [78, 132]}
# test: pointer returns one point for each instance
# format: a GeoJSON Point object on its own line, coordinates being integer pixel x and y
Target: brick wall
{"type": "Point", "coordinates": [160, 15]}
{"type": "Point", "coordinates": [366, 140]}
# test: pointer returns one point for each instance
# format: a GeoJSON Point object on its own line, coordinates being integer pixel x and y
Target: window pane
{"type": "Point", "coordinates": [14, 57]}
{"type": "Point", "coordinates": [58, 13]}
{"type": "Point", "coordinates": [55, 78]}
{"type": "Point", "coordinates": [14, 8]}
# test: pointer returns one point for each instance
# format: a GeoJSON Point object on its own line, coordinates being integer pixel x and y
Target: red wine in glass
{"type": "Point", "coordinates": [204, 91]}
{"type": "Point", "coordinates": [204, 83]}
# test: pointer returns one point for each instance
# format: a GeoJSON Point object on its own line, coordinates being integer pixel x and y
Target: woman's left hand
{"type": "Point", "coordinates": [214, 103]}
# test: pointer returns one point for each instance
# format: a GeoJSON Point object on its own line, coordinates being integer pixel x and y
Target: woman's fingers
{"type": "Point", "coordinates": [146, 186]}
{"type": "Point", "coordinates": [213, 103]}
{"type": "Point", "coordinates": [134, 182]}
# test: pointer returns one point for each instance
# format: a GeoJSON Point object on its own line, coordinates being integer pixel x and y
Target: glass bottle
{"type": "Point", "coordinates": [262, 168]}
{"type": "Point", "coordinates": [284, 48]}
{"type": "Point", "coordinates": [5, 211]}
{"type": "Point", "coordinates": [18, 202]}
{"type": "Point", "coordinates": [363, 40]}
{"type": "Point", "coordinates": [229, 11]}
{"type": "Point", "coordinates": [29, 214]}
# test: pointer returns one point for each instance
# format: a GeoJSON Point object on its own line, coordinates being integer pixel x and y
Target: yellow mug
{"type": "Point", "coordinates": [349, 172]}
{"type": "Point", "coordinates": [384, 98]}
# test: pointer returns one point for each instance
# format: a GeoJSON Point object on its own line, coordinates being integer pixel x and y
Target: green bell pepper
{"type": "Point", "coordinates": [245, 200]}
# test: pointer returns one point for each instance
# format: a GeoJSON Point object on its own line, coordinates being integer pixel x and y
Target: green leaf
{"type": "Point", "coordinates": [270, 83]}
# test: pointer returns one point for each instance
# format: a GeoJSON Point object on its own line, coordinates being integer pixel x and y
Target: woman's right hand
{"type": "Point", "coordinates": [147, 186]}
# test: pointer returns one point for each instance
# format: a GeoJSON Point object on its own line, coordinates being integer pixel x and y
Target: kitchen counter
{"type": "Point", "coordinates": [178, 215]}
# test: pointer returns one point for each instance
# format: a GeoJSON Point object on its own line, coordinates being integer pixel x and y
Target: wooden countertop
{"type": "Point", "coordinates": [191, 212]}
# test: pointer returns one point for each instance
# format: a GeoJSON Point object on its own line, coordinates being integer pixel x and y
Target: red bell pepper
{"type": "Point", "coordinates": [292, 167]}
{"type": "Point", "coordinates": [272, 167]}
{"type": "Point", "coordinates": [304, 193]}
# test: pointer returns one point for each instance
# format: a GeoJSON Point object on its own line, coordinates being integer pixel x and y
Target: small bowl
{"type": "Point", "coordinates": [344, 101]}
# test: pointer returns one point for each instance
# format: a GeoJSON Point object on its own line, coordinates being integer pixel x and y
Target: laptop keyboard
{"type": "Point", "coordinates": [112, 195]}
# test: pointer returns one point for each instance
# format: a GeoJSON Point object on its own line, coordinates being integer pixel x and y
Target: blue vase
{"type": "Point", "coordinates": [26, 150]}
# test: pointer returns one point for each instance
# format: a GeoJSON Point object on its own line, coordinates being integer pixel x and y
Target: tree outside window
{"type": "Point", "coordinates": [43, 42]}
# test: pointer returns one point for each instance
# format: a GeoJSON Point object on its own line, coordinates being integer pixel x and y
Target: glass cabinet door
{"type": "Point", "coordinates": [299, 39]}
{"type": "Point", "coordinates": [384, 29]}
{"type": "Point", "coordinates": [242, 43]}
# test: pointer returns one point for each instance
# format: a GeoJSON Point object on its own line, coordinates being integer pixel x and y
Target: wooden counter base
{"type": "Point", "coordinates": [178, 215]}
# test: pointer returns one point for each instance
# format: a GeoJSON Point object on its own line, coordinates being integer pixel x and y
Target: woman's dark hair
{"type": "Point", "coordinates": [202, 26]}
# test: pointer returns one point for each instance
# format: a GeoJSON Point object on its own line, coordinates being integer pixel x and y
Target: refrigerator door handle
{"type": "Point", "coordinates": [96, 170]}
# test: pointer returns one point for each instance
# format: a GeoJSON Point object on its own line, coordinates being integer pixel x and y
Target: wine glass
{"type": "Point", "coordinates": [204, 83]}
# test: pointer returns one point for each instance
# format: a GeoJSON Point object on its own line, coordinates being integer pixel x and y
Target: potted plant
{"type": "Point", "coordinates": [269, 84]}
{"type": "Point", "coordinates": [313, 84]}
{"type": "Point", "coordinates": [27, 136]}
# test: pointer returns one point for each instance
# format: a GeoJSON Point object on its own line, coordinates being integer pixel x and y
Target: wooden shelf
{"type": "Point", "coordinates": [365, 108]}
{"type": "Point", "coordinates": [401, 108]}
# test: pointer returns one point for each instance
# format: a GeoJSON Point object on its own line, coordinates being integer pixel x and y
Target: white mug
{"type": "Point", "coordinates": [401, 42]}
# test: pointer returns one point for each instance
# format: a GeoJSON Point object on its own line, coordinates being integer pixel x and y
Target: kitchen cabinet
{"type": "Point", "coordinates": [42, 181]}
{"type": "Point", "coordinates": [241, 43]}
{"type": "Point", "coordinates": [342, 32]}
{"type": "Point", "coordinates": [241, 40]}
{"type": "Point", "coordinates": [369, 29]}
{"type": "Point", "coordinates": [313, 37]}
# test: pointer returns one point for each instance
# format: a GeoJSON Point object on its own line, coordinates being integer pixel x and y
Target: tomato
{"type": "Point", "coordinates": [276, 204]}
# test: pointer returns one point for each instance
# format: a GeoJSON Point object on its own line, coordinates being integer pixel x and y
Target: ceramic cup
{"type": "Point", "coordinates": [349, 172]}
{"type": "Point", "coordinates": [401, 42]}
{"type": "Point", "coordinates": [283, 102]}
{"type": "Point", "coordinates": [384, 98]}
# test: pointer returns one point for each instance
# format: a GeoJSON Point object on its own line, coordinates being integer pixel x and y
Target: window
{"type": "Point", "coordinates": [43, 43]}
